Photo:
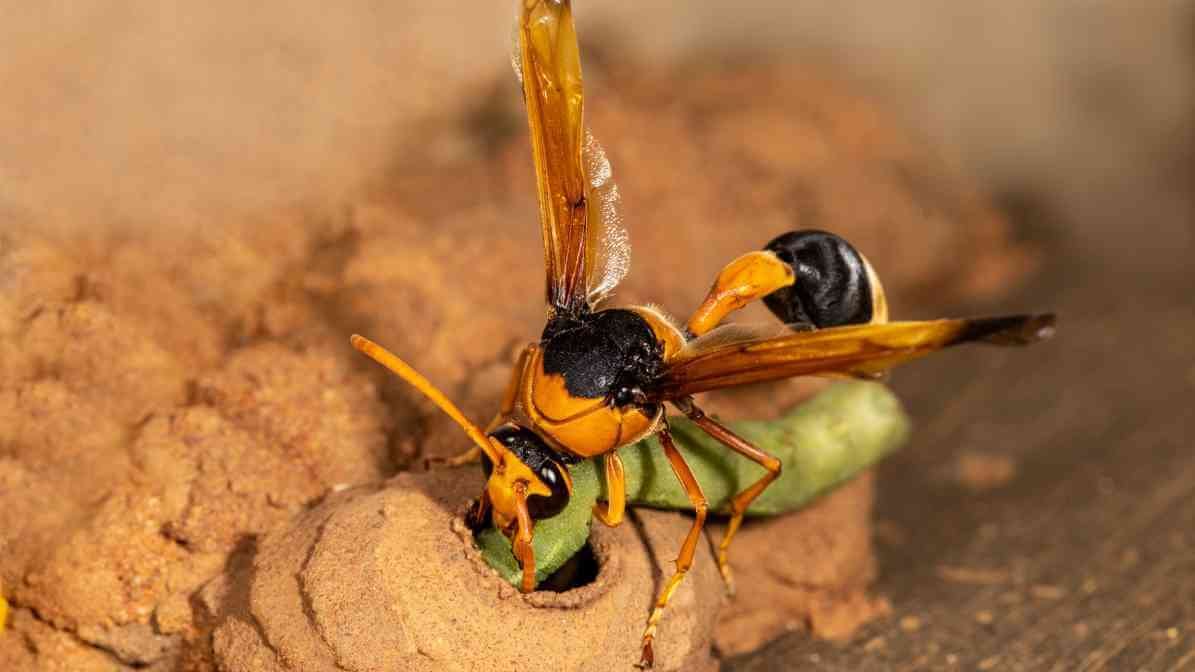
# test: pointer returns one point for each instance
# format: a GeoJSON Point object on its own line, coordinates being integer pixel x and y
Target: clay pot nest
{"type": "Point", "coordinates": [387, 578]}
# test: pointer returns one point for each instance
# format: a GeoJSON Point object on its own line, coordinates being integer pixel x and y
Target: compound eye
{"type": "Point", "coordinates": [545, 507]}
{"type": "Point", "coordinates": [833, 286]}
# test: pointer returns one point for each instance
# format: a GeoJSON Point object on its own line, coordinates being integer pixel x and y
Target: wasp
{"type": "Point", "coordinates": [599, 377]}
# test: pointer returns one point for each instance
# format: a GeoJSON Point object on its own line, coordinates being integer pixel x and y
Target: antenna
{"type": "Point", "coordinates": [416, 380]}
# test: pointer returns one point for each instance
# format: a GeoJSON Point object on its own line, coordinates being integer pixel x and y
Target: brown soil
{"type": "Point", "coordinates": [172, 403]}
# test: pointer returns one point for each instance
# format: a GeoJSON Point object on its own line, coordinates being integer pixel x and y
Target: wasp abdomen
{"type": "Point", "coordinates": [833, 286]}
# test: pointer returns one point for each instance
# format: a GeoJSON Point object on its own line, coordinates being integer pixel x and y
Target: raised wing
{"type": "Point", "coordinates": [585, 246]}
{"type": "Point", "coordinates": [609, 245]}
{"type": "Point", "coordinates": [722, 360]}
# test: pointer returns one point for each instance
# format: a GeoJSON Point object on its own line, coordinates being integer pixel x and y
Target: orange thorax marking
{"type": "Point", "coordinates": [583, 427]}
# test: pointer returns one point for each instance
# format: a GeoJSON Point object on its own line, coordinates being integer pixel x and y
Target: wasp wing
{"type": "Point", "coordinates": [609, 246]}
{"type": "Point", "coordinates": [584, 255]}
{"type": "Point", "coordinates": [719, 360]}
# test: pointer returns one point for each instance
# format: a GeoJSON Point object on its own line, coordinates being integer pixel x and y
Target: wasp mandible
{"type": "Point", "coordinates": [598, 378]}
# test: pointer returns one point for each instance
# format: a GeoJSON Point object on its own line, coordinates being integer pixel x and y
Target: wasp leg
{"type": "Point", "coordinates": [684, 559]}
{"type": "Point", "coordinates": [512, 388]}
{"type": "Point", "coordinates": [523, 550]}
{"type": "Point", "coordinates": [479, 514]}
{"type": "Point", "coordinates": [610, 512]}
{"type": "Point", "coordinates": [748, 278]}
{"type": "Point", "coordinates": [742, 500]}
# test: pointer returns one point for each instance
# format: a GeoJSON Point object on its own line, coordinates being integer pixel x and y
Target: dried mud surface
{"type": "Point", "coordinates": [174, 401]}
{"type": "Point", "coordinates": [418, 598]}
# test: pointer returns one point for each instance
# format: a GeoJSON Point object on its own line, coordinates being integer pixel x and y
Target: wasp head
{"type": "Point", "coordinates": [524, 463]}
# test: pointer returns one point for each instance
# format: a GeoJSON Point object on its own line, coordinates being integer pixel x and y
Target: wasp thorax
{"type": "Point", "coordinates": [611, 354]}
{"type": "Point", "coordinates": [833, 285]}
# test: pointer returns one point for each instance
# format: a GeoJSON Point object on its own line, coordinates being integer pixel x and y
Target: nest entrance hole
{"type": "Point", "coordinates": [581, 570]}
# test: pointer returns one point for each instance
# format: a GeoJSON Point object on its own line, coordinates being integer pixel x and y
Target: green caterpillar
{"type": "Point", "coordinates": [822, 443]}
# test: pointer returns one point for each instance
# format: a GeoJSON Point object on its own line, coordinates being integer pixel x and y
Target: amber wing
{"type": "Point", "coordinates": [862, 351]}
{"type": "Point", "coordinates": [551, 74]}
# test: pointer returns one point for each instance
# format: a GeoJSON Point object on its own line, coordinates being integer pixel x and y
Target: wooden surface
{"type": "Point", "coordinates": [1043, 516]}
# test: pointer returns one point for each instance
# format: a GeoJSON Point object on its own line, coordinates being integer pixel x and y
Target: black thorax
{"type": "Point", "coordinates": [611, 354]}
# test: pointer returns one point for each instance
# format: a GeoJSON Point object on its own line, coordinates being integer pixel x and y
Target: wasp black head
{"type": "Point", "coordinates": [834, 284]}
{"type": "Point", "coordinates": [541, 461]}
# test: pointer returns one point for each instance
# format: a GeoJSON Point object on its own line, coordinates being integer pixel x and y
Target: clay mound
{"type": "Point", "coordinates": [420, 598]}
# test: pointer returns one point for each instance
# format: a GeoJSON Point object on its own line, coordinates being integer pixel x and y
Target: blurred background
{"type": "Point", "coordinates": [130, 110]}
{"type": "Point", "coordinates": [1044, 513]}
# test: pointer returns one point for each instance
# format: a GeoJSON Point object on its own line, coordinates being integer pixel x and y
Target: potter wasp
{"type": "Point", "coordinates": [599, 377]}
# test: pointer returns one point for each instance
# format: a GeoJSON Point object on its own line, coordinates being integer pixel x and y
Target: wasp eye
{"type": "Point", "coordinates": [545, 507]}
{"type": "Point", "coordinates": [832, 287]}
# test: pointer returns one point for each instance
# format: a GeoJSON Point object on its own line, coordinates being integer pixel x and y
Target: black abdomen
{"type": "Point", "coordinates": [832, 288]}
{"type": "Point", "coordinates": [605, 354]}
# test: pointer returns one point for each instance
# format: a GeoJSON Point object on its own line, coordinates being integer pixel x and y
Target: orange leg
{"type": "Point", "coordinates": [512, 388]}
{"type": "Point", "coordinates": [523, 550]}
{"type": "Point", "coordinates": [611, 511]}
{"type": "Point", "coordinates": [748, 278]}
{"type": "Point", "coordinates": [740, 502]}
{"type": "Point", "coordinates": [479, 514]}
{"type": "Point", "coordinates": [684, 559]}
